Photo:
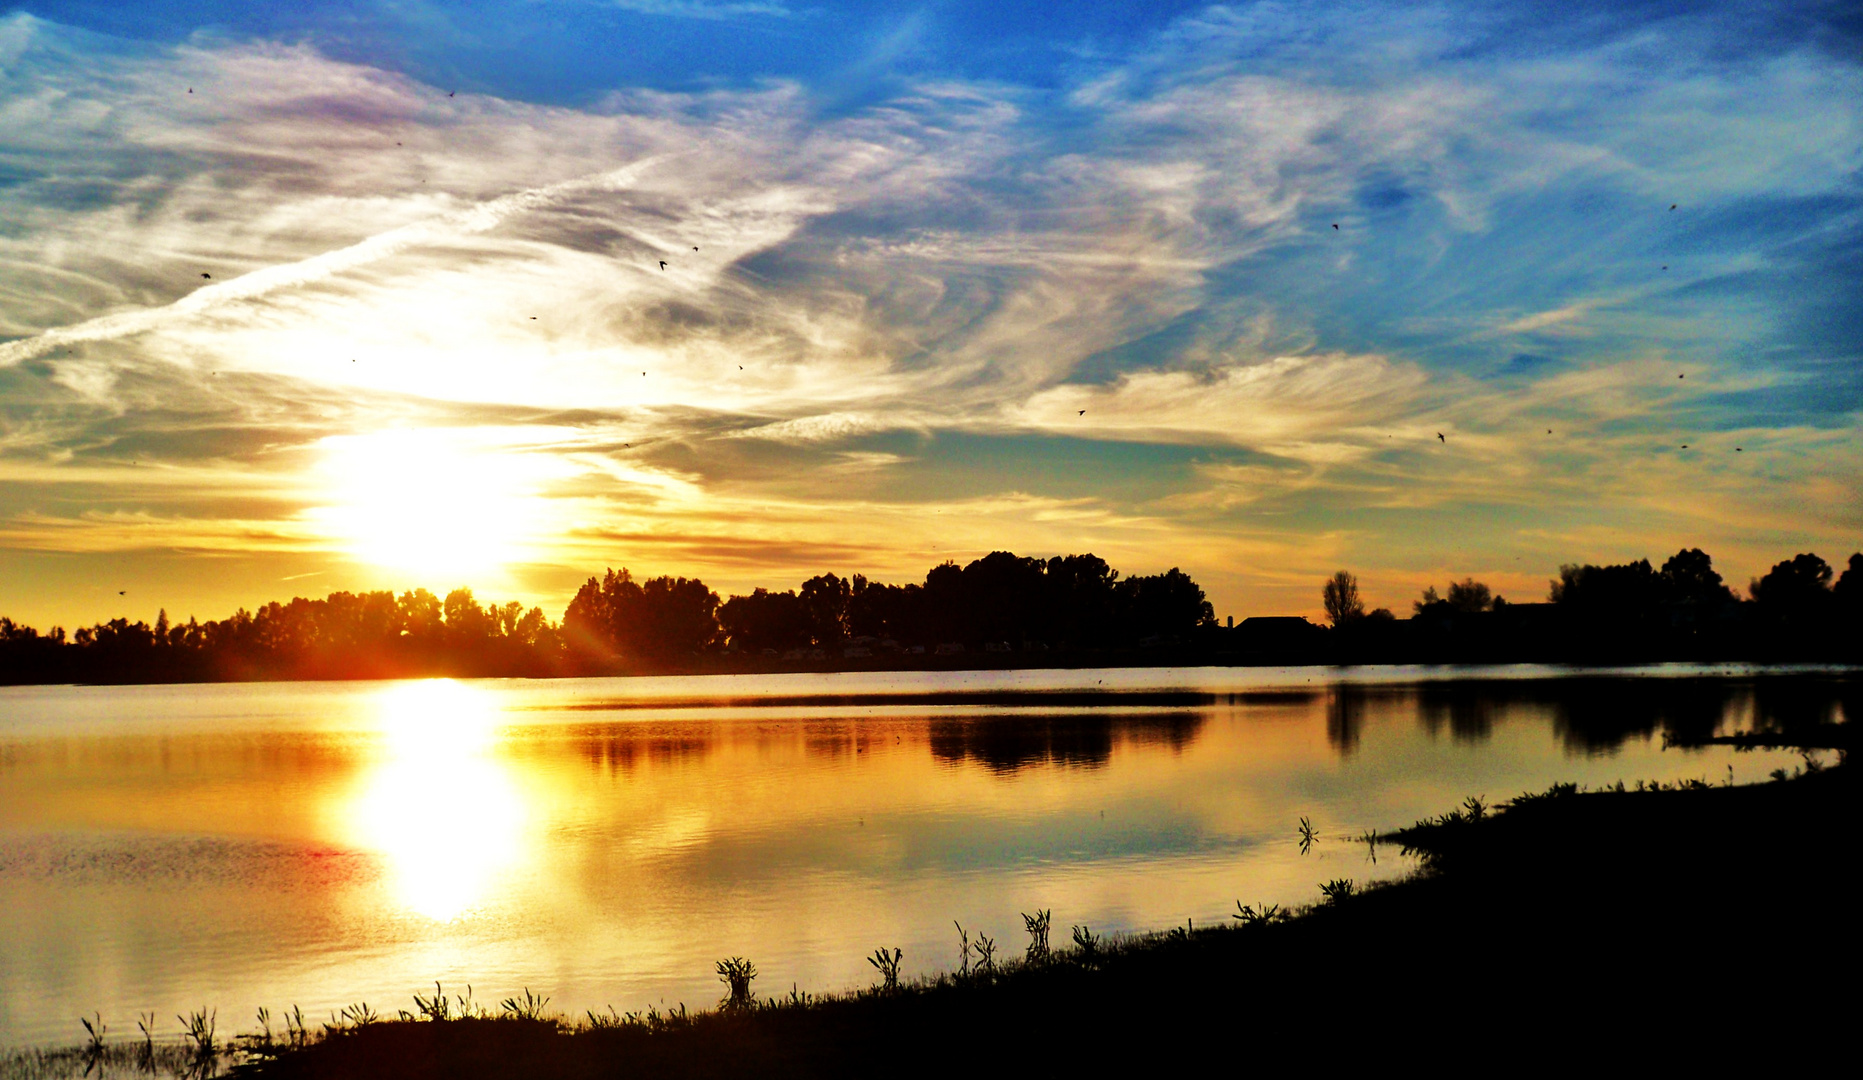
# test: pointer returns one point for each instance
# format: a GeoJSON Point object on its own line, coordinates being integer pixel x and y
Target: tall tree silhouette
{"type": "Point", "coordinates": [1340, 595]}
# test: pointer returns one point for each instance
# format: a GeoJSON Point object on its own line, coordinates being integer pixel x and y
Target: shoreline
{"type": "Point", "coordinates": [1553, 669]}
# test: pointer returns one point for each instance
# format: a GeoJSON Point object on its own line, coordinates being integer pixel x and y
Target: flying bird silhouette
{"type": "Point", "coordinates": [1335, 224]}
{"type": "Point", "coordinates": [1681, 376]}
{"type": "Point", "coordinates": [450, 93]}
{"type": "Point", "coordinates": [1439, 438]}
{"type": "Point", "coordinates": [663, 264]}
{"type": "Point", "coordinates": [1684, 446]}
{"type": "Point", "coordinates": [1672, 206]}
{"type": "Point", "coordinates": [122, 592]}
{"type": "Point", "coordinates": [1083, 412]}
{"type": "Point", "coordinates": [206, 275]}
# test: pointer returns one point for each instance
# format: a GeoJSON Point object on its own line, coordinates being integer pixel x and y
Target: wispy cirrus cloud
{"type": "Point", "coordinates": [1296, 272]}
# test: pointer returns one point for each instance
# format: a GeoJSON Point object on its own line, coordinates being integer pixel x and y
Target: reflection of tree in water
{"type": "Point", "coordinates": [1007, 743]}
{"type": "Point", "coordinates": [621, 748]}
{"type": "Point", "coordinates": [1597, 716]}
{"type": "Point", "coordinates": [1466, 709]}
{"type": "Point", "coordinates": [1793, 705]}
{"type": "Point", "coordinates": [1345, 718]}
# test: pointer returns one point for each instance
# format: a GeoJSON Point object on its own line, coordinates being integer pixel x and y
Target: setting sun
{"type": "Point", "coordinates": [442, 501]}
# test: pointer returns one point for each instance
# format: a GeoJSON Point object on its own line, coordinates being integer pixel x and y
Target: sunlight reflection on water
{"type": "Point", "coordinates": [605, 841]}
{"type": "Point", "coordinates": [438, 805]}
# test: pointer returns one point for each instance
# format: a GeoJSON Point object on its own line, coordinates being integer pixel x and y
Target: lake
{"type": "Point", "coordinates": [606, 841]}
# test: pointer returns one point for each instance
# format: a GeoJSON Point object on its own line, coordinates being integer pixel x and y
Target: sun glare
{"type": "Point", "coordinates": [438, 804]}
{"type": "Point", "coordinates": [446, 502]}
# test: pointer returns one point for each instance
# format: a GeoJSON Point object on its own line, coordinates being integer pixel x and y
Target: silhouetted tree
{"type": "Point", "coordinates": [824, 600]}
{"type": "Point", "coordinates": [765, 620]}
{"type": "Point", "coordinates": [1469, 595]}
{"type": "Point", "coordinates": [1848, 592]}
{"type": "Point", "coordinates": [1340, 595]}
{"type": "Point", "coordinates": [1795, 591]}
{"type": "Point", "coordinates": [616, 618]}
{"type": "Point", "coordinates": [1689, 578]}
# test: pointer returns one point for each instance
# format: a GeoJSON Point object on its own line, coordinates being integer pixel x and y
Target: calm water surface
{"type": "Point", "coordinates": [605, 841]}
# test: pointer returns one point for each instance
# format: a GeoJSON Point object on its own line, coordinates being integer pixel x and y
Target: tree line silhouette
{"type": "Point", "coordinates": [1801, 609]}
{"type": "Point", "coordinates": [999, 610]}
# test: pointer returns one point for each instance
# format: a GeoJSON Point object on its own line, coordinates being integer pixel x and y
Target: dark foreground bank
{"type": "Point", "coordinates": [1582, 930]}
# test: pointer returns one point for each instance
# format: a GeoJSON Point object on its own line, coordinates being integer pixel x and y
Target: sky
{"type": "Point", "coordinates": [314, 296]}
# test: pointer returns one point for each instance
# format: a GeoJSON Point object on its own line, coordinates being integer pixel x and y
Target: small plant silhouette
{"type": "Point", "coordinates": [963, 950]}
{"type": "Point", "coordinates": [262, 1041]}
{"type": "Point", "coordinates": [439, 1008]}
{"type": "Point", "coordinates": [199, 1028]}
{"type": "Point", "coordinates": [888, 966]}
{"type": "Point", "coordinates": [736, 973]}
{"type": "Point", "coordinates": [94, 1033]}
{"type": "Point", "coordinates": [1338, 889]}
{"type": "Point", "coordinates": [1253, 916]}
{"type": "Point", "coordinates": [1037, 926]}
{"type": "Point", "coordinates": [985, 948]}
{"type": "Point", "coordinates": [358, 1015]}
{"type": "Point", "coordinates": [1087, 945]}
{"type": "Point", "coordinates": [528, 1007]}
{"type": "Point", "coordinates": [1308, 835]}
{"type": "Point", "coordinates": [1476, 808]}
{"type": "Point", "coordinates": [145, 1022]}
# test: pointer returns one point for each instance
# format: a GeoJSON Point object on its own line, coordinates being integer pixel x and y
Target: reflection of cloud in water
{"type": "Point", "coordinates": [438, 805]}
{"type": "Point", "coordinates": [1010, 743]}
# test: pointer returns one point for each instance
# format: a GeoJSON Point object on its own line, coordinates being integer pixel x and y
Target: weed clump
{"type": "Point", "coordinates": [1037, 953]}
{"type": "Point", "coordinates": [736, 973]}
{"type": "Point", "coordinates": [888, 966]}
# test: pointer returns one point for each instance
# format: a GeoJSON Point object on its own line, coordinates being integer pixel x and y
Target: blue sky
{"type": "Point", "coordinates": [1178, 284]}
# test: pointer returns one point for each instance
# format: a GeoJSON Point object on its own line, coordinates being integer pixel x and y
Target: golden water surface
{"type": "Point", "coordinates": [606, 841]}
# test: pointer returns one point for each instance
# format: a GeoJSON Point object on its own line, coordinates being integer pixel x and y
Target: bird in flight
{"type": "Point", "coordinates": [1681, 376]}
{"type": "Point", "coordinates": [450, 93]}
{"type": "Point", "coordinates": [1549, 431]}
{"type": "Point", "coordinates": [1439, 438]}
{"type": "Point", "coordinates": [190, 89]}
{"type": "Point", "coordinates": [1672, 206]}
{"type": "Point", "coordinates": [1684, 446]}
{"type": "Point", "coordinates": [1083, 412]}
{"type": "Point", "coordinates": [662, 264]}
{"type": "Point", "coordinates": [208, 276]}
{"type": "Point", "coordinates": [1335, 224]}
{"type": "Point", "coordinates": [695, 249]}
{"type": "Point", "coordinates": [122, 592]}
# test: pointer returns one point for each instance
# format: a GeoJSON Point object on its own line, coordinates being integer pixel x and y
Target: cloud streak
{"type": "Point", "coordinates": [1255, 285]}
